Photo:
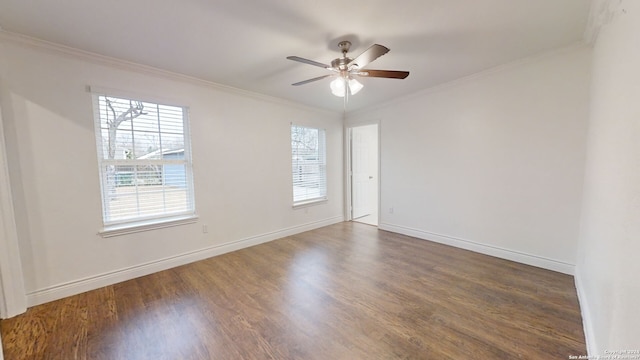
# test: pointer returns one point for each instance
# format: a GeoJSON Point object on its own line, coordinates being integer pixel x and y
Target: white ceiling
{"type": "Point", "coordinates": [244, 43]}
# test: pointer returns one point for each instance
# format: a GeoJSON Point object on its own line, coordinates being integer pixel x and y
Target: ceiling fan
{"type": "Point", "coordinates": [346, 69]}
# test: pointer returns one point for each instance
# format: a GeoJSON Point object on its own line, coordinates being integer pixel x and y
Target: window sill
{"type": "Point", "coordinates": [307, 203]}
{"type": "Point", "coordinates": [130, 228]}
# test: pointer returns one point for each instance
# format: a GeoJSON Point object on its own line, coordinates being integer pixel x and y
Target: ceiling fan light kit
{"type": "Point", "coordinates": [340, 85]}
{"type": "Point", "coordinates": [345, 69]}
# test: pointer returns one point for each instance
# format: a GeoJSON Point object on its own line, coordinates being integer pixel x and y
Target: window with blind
{"type": "Point", "coordinates": [145, 161]}
{"type": "Point", "coordinates": [309, 165]}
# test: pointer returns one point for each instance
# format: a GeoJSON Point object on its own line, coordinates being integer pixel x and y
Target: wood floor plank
{"type": "Point", "coordinates": [346, 291]}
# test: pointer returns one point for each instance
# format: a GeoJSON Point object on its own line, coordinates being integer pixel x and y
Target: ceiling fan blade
{"type": "Point", "coordinates": [312, 80]}
{"type": "Point", "coordinates": [307, 61]}
{"type": "Point", "coordinates": [372, 53]}
{"type": "Point", "coordinates": [390, 74]}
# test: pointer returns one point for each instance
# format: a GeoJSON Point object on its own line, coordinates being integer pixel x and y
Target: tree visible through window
{"type": "Point", "coordinates": [145, 161]}
{"type": "Point", "coordinates": [308, 159]}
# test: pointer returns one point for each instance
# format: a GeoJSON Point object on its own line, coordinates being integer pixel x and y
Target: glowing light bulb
{"type": "Point", "coordinates": [338, 87]}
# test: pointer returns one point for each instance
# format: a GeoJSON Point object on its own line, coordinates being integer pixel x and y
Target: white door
{"type": "Point", "coordinates": [364, 167]}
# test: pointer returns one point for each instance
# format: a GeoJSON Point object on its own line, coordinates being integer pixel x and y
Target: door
{"type": "Point", "coordinates": [364, 172]}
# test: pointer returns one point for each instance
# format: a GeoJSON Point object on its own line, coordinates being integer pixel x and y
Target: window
{"type": "Point", "coordinates": [145, 162]}
{"type": "Point", "coordinates": [309, 165]}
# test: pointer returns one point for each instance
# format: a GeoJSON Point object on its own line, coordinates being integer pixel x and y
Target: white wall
{"type": "Point", "coordinates": [492, 163]}
{"type": "Point", "coordinates": [608, 270]}
{"type": "Point", "coordinates": [241, 156]}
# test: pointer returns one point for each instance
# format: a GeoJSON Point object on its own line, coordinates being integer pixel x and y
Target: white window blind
{"type": "Point", "coordinates": [145, 160]}
{"type": "Point", "coordinates": [309, 165]}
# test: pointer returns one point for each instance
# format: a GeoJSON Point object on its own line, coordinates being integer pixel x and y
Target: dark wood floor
{"type": "Point", "coordinates": [347, 291]}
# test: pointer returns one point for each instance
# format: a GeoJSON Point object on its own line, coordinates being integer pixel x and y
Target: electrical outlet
{"type": "Point", "coordinates": [205, 229]}
{"type": "Point", "coordinates": [390, 210]}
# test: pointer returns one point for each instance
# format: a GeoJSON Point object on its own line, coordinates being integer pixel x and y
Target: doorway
{"type": "Point", "coordinates": [364, 174]}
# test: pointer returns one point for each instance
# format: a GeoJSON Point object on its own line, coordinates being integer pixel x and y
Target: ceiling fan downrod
{"type": "Point", "coordinates": [341, 64]}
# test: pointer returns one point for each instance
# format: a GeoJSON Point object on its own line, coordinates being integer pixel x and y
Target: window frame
{"type": "Point", "coordinates": [322, 164]}
{"type": "Point", "coordinates": [146, 222]}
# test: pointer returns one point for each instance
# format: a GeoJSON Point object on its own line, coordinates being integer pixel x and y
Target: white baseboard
{"type": "Point", "coordinates": [587, 321]}
{"type": "Point", "coordinates": [94, 282]}
{"type": "Point", "coordinates": [533, 260]}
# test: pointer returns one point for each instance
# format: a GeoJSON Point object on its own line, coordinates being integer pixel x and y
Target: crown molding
{"type": "Point", "coordinates": [112, 62]}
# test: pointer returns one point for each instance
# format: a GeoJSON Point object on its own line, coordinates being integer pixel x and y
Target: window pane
{"type": "Point", "coordinates": [308, 164]}
{"type": "Point", "coordinates": [123, 205]}
{"type": "Point", "coordinates": [145, 171]}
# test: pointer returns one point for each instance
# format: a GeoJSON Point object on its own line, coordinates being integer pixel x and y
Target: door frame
{"type": "Point", "coordinates": [13, 299]}
{"type": "Point", "coordinates": [348, 199]}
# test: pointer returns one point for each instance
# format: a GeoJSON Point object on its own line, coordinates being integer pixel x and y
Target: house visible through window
{"type": "Point", "coordinates": [145, 161]}
{"type": "Point", "coordinates": [308, 159]}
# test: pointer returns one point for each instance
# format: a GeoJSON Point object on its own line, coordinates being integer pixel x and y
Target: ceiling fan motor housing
{"type": "Point", "coordinates": [341, 63]}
